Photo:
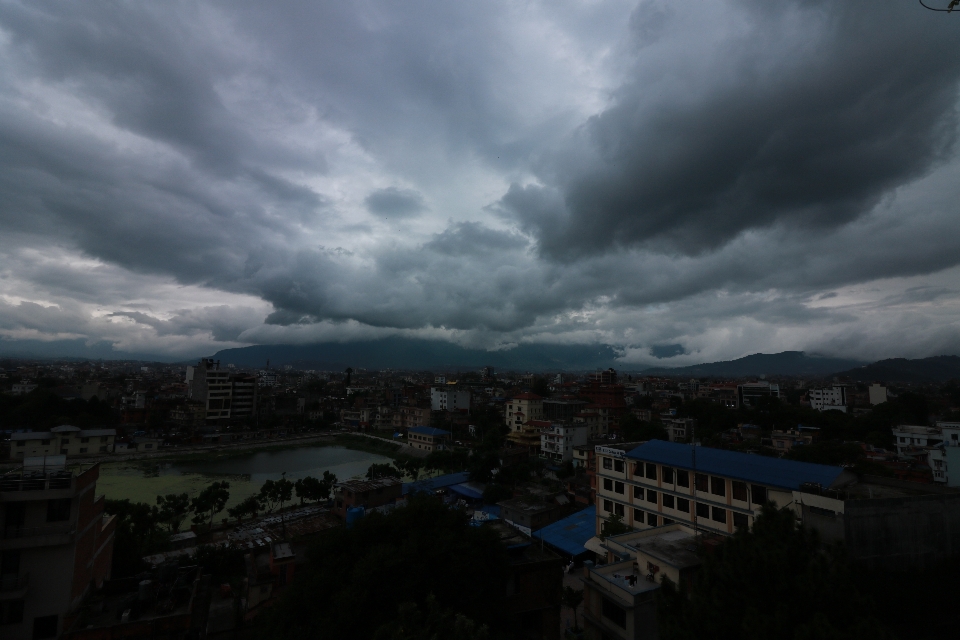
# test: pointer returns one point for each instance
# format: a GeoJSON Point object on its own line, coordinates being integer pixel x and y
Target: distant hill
{"type": "Point", "coordinates": [934, 369]}
{"type": "Point", "coordinates": [404, 353]}
{"type": "Point", "coordinates": [787, 363]}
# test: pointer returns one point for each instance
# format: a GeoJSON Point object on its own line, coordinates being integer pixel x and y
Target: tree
{"type": "Point", "coordinates": [248, 506]}
{"type": "Point", "coordinates": [572, 599]}
{"type": "Point", "coordinates": [775, 581]}
{"type": "Point", "coordinates": [409, 466]}
{"type": "Point", "coordinates": [412, 624]}
{"type": "Point", "coordinates": [382, 470]}
{"type": "Point", "coordinates": [425, 548]}
{"type": "Point", "coordinates": [211, 500]}
{"type": "Point", "coordinates": [314, 489]}
{"type": "Point", "coordinates": [173, 509]}
{"type": "Point", "coordinates": [138, 534]}
{"type": "Point", "coordinates": [274, 493]}
{"type": "Point", "coordinates": [614, 526]}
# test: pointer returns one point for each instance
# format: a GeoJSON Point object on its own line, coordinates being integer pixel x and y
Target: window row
{"type": "Point", "coordinates": [703, 511]}
{"type": "Point", "coordinates": [713, 484]}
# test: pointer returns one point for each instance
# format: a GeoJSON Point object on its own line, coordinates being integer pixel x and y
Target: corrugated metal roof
{"type": "Point", "coordinates": [472, 490]}
{"type": "Point", "coordinates": [428, 431]}
{"type": "Point", "coordinates": [772, 472]}
{"type": "Point", "coordinates": [571, 534]}
{"type": "Point", "coordinates": [440, 482]}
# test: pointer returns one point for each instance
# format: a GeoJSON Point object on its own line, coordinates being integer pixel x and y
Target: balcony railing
{"type": "Point", "coordinates": [35, 481]}
{"type": "Point", "coordinates": [12, 532]}
{"type": "Point", "coordinates": [14, 583]}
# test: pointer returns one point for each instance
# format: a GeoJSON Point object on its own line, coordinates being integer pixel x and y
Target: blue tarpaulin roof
{"type": "Point", "coordinates": [428, 431]}
{"type": "Point", "coordinates": [471, 490]}
{"type": "Point", "coordinates": [570, 534]}
{"type": "Point", "coordinates": [773, 472]}
{"type": "Point", "coordinates": [432, 484]}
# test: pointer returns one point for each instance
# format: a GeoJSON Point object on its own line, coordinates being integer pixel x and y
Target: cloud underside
{"type": "Point", "coordinates": [687, 185]}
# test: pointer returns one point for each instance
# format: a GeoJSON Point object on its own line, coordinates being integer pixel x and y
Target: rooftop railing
{"type": "Point", "coordinates": [35, 481]}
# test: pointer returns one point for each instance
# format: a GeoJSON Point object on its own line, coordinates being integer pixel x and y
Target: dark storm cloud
{"type": "Point", "coordinates": [770, 129]}
{"type": "Point", "coordinates": [394, 202]}
{"type": "Point", "coordinates": [744, 160]}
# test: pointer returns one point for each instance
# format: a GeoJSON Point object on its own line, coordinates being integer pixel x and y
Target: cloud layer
{"type": "Point", "coordinates": [686, 182]}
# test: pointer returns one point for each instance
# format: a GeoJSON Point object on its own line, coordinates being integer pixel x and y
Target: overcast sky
{"type": "Point", "coordinates": [688, 180]}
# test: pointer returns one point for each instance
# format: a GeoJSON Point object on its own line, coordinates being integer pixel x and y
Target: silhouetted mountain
{"type": "Point", "coordinates": [934, 369]}
{"type": "Point", "coordinates": [404, 353]}
{"type": "Point", "coordinates": [787, 363]}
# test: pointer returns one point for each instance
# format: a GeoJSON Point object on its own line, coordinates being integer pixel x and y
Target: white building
{"type": "Point", "coordinates": [63, 440]}
{"type": "Point", "coordinates": [941, 444]}
{"type": "Point", "coordinates": [23, 389]}
{"type": "Point", "coordinates": [878, 394]}
{"type": "Point", "coordinates": [558, 440]}
{"type": "Point", "coordinates": [829, 399]}
{"type": "Point", "coordinates": [449, 398]}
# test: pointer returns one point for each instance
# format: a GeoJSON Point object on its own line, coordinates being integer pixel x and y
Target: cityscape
{"type": "Point", "coordinates": [512, 320]}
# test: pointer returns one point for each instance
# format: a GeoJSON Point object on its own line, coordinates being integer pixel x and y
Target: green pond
{"type": "Point", "coordinates": [143, 481]}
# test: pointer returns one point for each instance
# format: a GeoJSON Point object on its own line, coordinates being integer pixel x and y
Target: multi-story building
{"type": "Point", "coordinates": [226, 396]}
{"type": "Point", "coordinates": [877, 394]}
{"type": "Point", "coordinates": [619, 595]}
{"type": "Point", "coordinates": [938, 447]}
{"type": "Point", "coordinates": [678, 429]}
{"type": "Point", "coordinates": [713, 490]}
{"type": "Point", "coordinates": [55, 544]}
{"type": "Point", "coordinates": [558, 440]}
{"type": "Point", "coordinates": [449, 398]}
{"type": "Point", "coordinates": [749, 392]}
{"type": "Point", "coordinates": [63, 440]}
{"type": "Point", "coordinates": [428, 438]}
{"type": "Point", "coordinates": [559, 409]}
{"type": "Point", "coordinates": [368, 494]}
{"type": "Point", "coordinates": [522, 408]}
{"type": "Point", "coordinates": [405, 417]}
{"type": "Point", "coordinates": [829, 398]}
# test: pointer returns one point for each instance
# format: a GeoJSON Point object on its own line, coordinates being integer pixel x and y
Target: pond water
{"type": "Point", "coordinates": [143, 481]}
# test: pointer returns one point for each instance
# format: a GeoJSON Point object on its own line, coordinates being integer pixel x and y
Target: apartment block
{"type": "Point", "coordinates": [56, 544]}
{"type": "Point", "coordinates": [63, 440]}
{"type": "Point", "coordinates": [449, 398]}
{"type": "Point", "coordinates": [523, 408]}
{"type": "Point", "coordinates": [557, 441]}
{"type": "Point", "coordinates": [428, 438]}
{"type": "Point", "coordinates": [712, 490]}
{"type": "Point", "coordinates": [829, 398]}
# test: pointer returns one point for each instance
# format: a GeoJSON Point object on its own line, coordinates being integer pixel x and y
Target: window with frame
{"type": "Point", "coordinates": [683, 505]}
{"type": "Point", "coordinates": [608, 505]}
{"type": "Point", "coordinates": [607, 463]}
{"type": "Point", "coordinates": [651, 471]}
{"type": "Point", "coordinates": [618, 487]}
{"type": "Point", "coordinates": [700, 479]}
{"type": "Point", "coordinates": [84, 440]}
{"type": "Point", "coordinates": [638, 493]}
{"type": "Point", "coordinates": [718, 486]}
{"type": "Point", "coordinates": [45, 442]}
{"type": "Point", "coordinates": [58, 510]}
{"type": "Point", "coordinates": [618, 509]}
{"type": "Point", "coordinates": [618, 466]}
{"type": "Point", "coordinates": [703, 510]}
{"type": "Point", "coordinates": [607, 484]}
{"type": "Point", "coordinates": [667, 501]}
{"type": "Point", "coordinates": [651, 496]}
{"type": "Point", "coordinates": [21, 443]}
{"type": "Point", "coordinates": [683, 478]}
{"type": "Point", "coordinates": [667, 521]}
{"type": "Point", "coordinates": [719, 515]}
{"type": "Point", "coordinates": [652, 519]}
{"type": "Point", "coordinates": [758, 494]}
{"type": "Point", "coordinates": [739, 490]}
{"type": "Point", "coordinates": [740, 520]}
{"type": "Point", "coordinates": [667, 474]}
{"type": "Point", "coordinates": [614, 613]}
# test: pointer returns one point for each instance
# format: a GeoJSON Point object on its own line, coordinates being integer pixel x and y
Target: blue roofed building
{"type": "Point", "coordinates": [569, 535]}
{"type": "Point", "coordinates": [428, 438]}
{"type": "Point", "coordinates": [659, 483]}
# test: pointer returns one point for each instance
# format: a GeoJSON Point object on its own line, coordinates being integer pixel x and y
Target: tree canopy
{"type": "Point", "coordinates": [359, 581]}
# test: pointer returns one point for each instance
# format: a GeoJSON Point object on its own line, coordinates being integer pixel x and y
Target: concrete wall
{"type": "Point", "coordinates": [903, 533]}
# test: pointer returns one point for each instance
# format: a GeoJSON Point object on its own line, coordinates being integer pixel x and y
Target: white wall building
{"type": "Point", "coordinates": [558, 440]}
{"type": "Point", "coordinates": [829, 399]}
{"type": "Point", "coordinates": [878, 394]}
{"type": "Point", "coordinates": [449, 399]}
{"type": "Point", "coordinates": [63, 440]}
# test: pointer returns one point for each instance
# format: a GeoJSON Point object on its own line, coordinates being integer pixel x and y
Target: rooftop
{"type": "Point", "coordinates": [439, 482]}
{"type": "Point", "coordinates": [773, 472]}
{"type": "Point", "coordinates": [675, 545]}
{"type": "Point", "coordinates": [361, 486]}
{"type": "Point", "coordinates": [570, 534]}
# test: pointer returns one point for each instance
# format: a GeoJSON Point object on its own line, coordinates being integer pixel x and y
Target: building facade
{"type": "Point", "coordinates": [449, 398]}
{"type": "Point", "coordinates": [63, 440]}
{"type": "Point", "coordinates": [523, 408]}
{"type": "Point", "coordinates": [428, 438]}
{"type": "Point", "coordinates": [712, 490]}
{"type": "Point", "coordinates": [829, 398]}
{"type": "Point", "coordinates": [56, 544]}
{"type": "Point", "coordinates": [557, 441]}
